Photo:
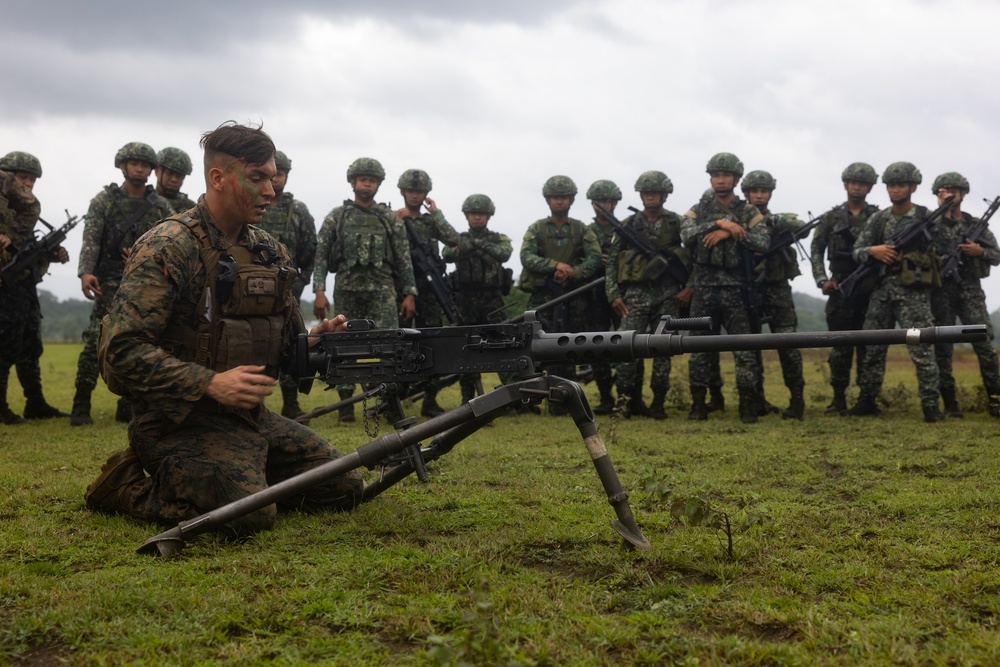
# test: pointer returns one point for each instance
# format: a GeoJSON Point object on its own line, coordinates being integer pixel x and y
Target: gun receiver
{"type": "Point", "coordinates": [35, 255]}
{"type": "Point", "coordinates": [952, 262]}
{"type": "Point", "coordinates": [659, 260]}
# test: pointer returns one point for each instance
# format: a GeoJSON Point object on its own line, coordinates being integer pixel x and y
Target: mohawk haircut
{"type": "Point", "coordinates": [242, 142]}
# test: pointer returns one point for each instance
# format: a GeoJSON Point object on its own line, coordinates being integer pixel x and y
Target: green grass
{"type": "Point", "coordinates": [868, 541]}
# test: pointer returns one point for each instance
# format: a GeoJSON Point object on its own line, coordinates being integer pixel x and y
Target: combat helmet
{"type": "Point", "coordinates": [175, 159]}
{"type": "Point", "coordinates": [758, 179]}
{"type": "Point", "coordinates": [136, 150]}
{"type": "Point", "coordinates": [414, 179]}
{"type": "Point", "coordinates": [281, 162]}
{"type": "Point", "coordinates": [726, 162]}
{"type": "Point", "coordinates": [604, 191]}
{"type": "Point", "coordinates": [366, 166]}
{"type": "Point", "coordinates": [862, 172]}
{"type": "Point", "coordinates": [559, 186]}
{"type": "Point", "coordinates": [949, 180]}
{"type": "Point", "coordinates": [654, 181]}
{"type": "Point", "coordinates": [902, 172]}
{"type": "Point", "coordinates": [20, 161]}
{"type": "Point", "coordinates": [478, 204]}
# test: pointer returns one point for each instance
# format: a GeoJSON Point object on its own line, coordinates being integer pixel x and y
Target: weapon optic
{"type": "Point", "coordinates": [393, 356]}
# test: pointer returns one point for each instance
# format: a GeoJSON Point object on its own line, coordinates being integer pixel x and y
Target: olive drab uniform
{"type": "Point", "coordinates": [903, 297]}
{"type": "Point", "coordinates": [189, 306]}
{"type": "Point", "coordinates": [963, 298]}
{"type": "Point", "coordinates": [646, 299]}
{"type": "Point", "coordinates": [833, 242]}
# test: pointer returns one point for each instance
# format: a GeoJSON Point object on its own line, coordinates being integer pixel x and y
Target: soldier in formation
{"type": "Point", "coordinates": [172, 166]}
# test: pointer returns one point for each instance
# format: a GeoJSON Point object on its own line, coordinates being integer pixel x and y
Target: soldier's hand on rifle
{"type": "Point", "coordinates": [241, 387]}
{"type": "Point", "coordinates": [829, 287]}
{"type": "Point", "coordinates": [321, 306]}
{"type": "Point", "coordinates": [408, 308]}
{"type": "Point", "coordinates": [884, 253]}
{"type": "Point", "coordinates": [621, 310]}
{"type": "Point", "coordinates": [971, 249]}
{"type": "Point", "coordinates": [737, 232]}
{"type": "Point", "coordinates": [431, 206]}
{"type": "Point", "coordinates": [683, 298]}
{"type": "Point", "coordinates": [61, 255]}
{"type": "Point", "coordinates": [91, 286]}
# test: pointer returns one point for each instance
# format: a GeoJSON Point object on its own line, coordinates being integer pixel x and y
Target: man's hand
{"type": "Point", "coordinates": [125, 254]}
{"type": "Point", "coordinates": [321, 306]}
{"type": "Point", "coordinates": [971, 249]}
{"type": "Point", "coordinates": [408, 308]}
{"type": "Point", "coordinates": [4, 241]}
{"type": "Point", "coordinates": [91, 286]}
{"type": "Point", "coordinates": [886, 254]}
{"type": "Point", "coordinates": [564, 272]}
{"type": "Point", "coordinates": [737, 232]}
{"type": "Point", "coordinates": [714, 238]}
{"type": "Point", "coordinates": [621, 310]}
{"type": "Point", "coordinates": [431, 206]}
{"type": "Point", "coordinates": [61, 255]}
{"type": "Point", "coordinates": [241, 387]}
{"type": "Point", "coordinates": [332, 325]}
{"type": "Point", "coordinates": [829, 287]}
{"type": "Point", "coordinates": [683, 298]}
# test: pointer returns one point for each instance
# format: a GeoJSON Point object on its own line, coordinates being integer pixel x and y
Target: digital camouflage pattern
{"type": "Point", "coordinates": [365, 166]}
{"type": "Point", "coordinates": [947, 180]}
{"type": "Point", "coordinates": [601, 316]}
{"type": "Point", "coordinates": [20, 161]}
{"type": "Point", "coordinates": [136, 150]}
{"type": "Point", "coordinates": [19, 210]}
{"type": "Point", "coordinates": [431, 228]}
{"type": "Point", "coordinates": [199, 456]}
{"type": "Point", "coordinates": [289, 221]}
{"type": "Point", "coordinates": [559, 186]}
{"type": "Point", "coordinates": [180, 203]}
{"type": "Point", "coordinates": [175, 159]}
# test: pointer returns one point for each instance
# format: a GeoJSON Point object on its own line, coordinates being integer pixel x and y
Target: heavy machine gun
{"type": "Point", "coordinates": [34, 257]}
{"type": "Point", "coordinates": [385, 359]}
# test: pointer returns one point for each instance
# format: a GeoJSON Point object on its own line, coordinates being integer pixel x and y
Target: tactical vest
{"type": "Point", "coordinates": [632, 264]}
{"type": "Point", "coordinates": [840, 247]}
{"type": "Point", "coordinates": [724, 255]}
{"type": "Point", "coordinates": [362, 239]}
{"type": "Point", "coordinates": [120, 209]}
{"type": "Point", "coordinates": [475, 271]}
{"type": "Point", "coordinates": [920, 266]}
{"type": "Point", "coordinates": [781, 266]}
{"type": "Point", "coordinates": [552, 247]}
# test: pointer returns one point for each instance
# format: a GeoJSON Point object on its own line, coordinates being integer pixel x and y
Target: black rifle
{"type": "Point", "coordinates": [750, 286]}
{"type": "Point", "coordinates": [659, 260]}
{"type": "Point", "coordinates": [786, 237]}
{"type": "Point", "coordinates": [952, 261]}
{"type": "Point", "coordinates": [36, 253]}
{"type": "Point", "coordinates": [431, 268]}
{"type": "Point", "coordinates": [903, 240]}
{"type": "Point", "coordinates": [392, 357]}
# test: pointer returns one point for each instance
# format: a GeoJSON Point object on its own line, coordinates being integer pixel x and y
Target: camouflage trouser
{"type": "Point", "coordinates": [909, 307]}
{"type": "Point", "coordinates": [14, 307]}
{"type": "Point", "coordinates": [87, 369]}
{"type": "Point", "coordinates": [479, 307]}
{"type": "Point", "coordinates": [726, 306]}
{"type": "Point", "coordinates": [380, 305]}
{"type": "Point", "coordinates": [600, 317]}
{"type": "Point", "coordinates": [575, 311]}
{"type": "Point", "coordinates": [845, 314]}
{"type": "Point", "coordinates": [967, 302]}
{"type": "Point", "coordinates": [29, 373]}
{"type": "Point", "coordinates": [779, 307]}
{"type": "Point", "coordinates": [212, 459]}
{"type": "Point", "coordinates": [646, 305]}
{"type": "Point", "coordinates": [429, 311]}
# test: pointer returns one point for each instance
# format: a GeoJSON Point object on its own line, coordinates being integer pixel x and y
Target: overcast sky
{"type": "Point", "coordinates": [497, 97]}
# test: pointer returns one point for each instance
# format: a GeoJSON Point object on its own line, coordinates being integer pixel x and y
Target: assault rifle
{"type": "Point", "coordinates": [431, 268]}
{"type": "Point", "coordinates": [786, 237]}
{"type": "Point", "coordinates": [36, 254]}
{"type": "Point", "coordinates": [951, 262]}
{"type": "Point", "coordinates": [902, 241]}
{"type": "Point", "coordinates": [659, 261]}
{"type": "Point", "coordinates": [389, 357]}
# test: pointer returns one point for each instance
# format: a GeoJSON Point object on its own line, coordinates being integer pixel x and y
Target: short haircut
{"type": "Point", "coordinates": [242, 142]}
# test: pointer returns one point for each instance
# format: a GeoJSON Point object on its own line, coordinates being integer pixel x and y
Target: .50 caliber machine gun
{"type": "Point", "coordinates": [385, 359]}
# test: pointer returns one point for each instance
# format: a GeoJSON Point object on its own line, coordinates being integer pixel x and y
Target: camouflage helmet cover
{"type": "Point", "coordinates": [902, 172]}
{"type": "Point", "coordinates": [759, 179]}
{"type": "Point", "coordinates": [478, 204]}
{"type": "Point", "coordinates": [366, 166]}
{"type": "Point", "coordinates": [654, 181]}
{"type": "Point", "coordinates": [175, 159]}
{"type": "Point", "coordinates": [604, 190]}
{"type": "Point", "coordinates": [136, 150]}
{"type": "Point", "coordinates": [726, 162]}
{"type": "Point", "coordinates": [21, 161]}
{"type": "Point", "coordinates": [415, 179]}
{"type": "Point", "coordinates": [862, 172]}
{"type": "Point", "coordinates": [281, 162]}
{"type": "Point", "coordinates": [949, 180]}
{"type": "Point", "coordinates": [559, 186]}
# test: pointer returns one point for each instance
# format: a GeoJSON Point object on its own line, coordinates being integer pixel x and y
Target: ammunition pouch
{"type": "Point", "coordinates": [920, 269]}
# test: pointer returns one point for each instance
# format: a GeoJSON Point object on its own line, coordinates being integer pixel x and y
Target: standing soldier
{"type": "Point", "coordinates": [640, 299]}
{"type": "Point", "coordinates": [19, 212]}
{"type": "Point", "coordinates": [559, 253]}
{"type": "Point", "coordinates": [173, 166]}
{"type": "Point", "coordinates": [961, 294]}
{"type": "Point", "coordinates": [365, 244]}
{"type": "Point", "coordinates": [833, 241]}
{"type": "Point", "coordinates": [26, 169]}
{"type": "Point", "coordinates": [722, 232]}
{"type": "Point", "coordinates": [288, 220]}
{"type": "Point", "coordinates": [903, 293]}
{"type": "Point", "coordinates": [117, 216]}
{"type": "Point", "coordinates": [602, 318]}
{"type": "Point", "coordinates": [423, 231]}
{"type": "Point", "coordinates": [776, 291]}
{"type": "Point", "coordinates": [480, 281]}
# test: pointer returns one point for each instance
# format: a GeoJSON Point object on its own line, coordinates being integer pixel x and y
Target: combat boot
{"type": "Point", "coordinates": [932, 414]}
{"type": "Point", "coordinates": [430, 407]}
{"type": "Point", "coordinates": [797, 405]}
{"type": "Point", "coordinates": [123, 413]}
{"type": "Point", "coordinates": [607, 403]}
{"type": "Point", "coordinates": [699, 411]}
{"type": "Point", "coordinates": [865, 407]}
{"type": "Point", "coordinates": [290, 402]}
{"type": "Point", "coordinates": [468, 393]}
{"type": "Point", "coordinates": [951, 408]}
{"type": "Point", "coordinates": [346, 414]}
{"type": "Point", "coordinates": [8, 417]}
{"type": "Point", "coordinates": [34, 409]}
{"type": "Point", "coordinates": [994, 407]}
{"type": "Point", "coordinates": [114, 488]}
{"type": "Point", "coordinates": [839, 402]}
{"type": "Point", "coordinates": [716, 401]}
{"type": "Point", "coordinates": [80, 414]}
{"type": "Point", "coordinates": [656, 410]}
{"type": "Point", "coordinates": [750, 406]}
{"type": "Point", "coordinates": [765, 407]}
{"type": "Point", "coordinates": [636, 407]}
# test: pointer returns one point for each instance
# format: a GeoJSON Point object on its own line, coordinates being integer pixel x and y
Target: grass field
{"type": "Point", "coordinates": [854, 541]}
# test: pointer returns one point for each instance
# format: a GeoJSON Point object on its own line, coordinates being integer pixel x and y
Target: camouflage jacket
{"type": "Point", "coordinates": [102, 239]}
{"type": "Point", "coordinates": [664, 232]}
{"type": "Point", "coordinates": [19, 210]}
{"type": "Point", "coordinates": [722, 264]}
{"type": "Point", "coordinates": [880, 227]}
{"type": "Point", "coordinates": [180, 203]}
{"type": "Point", "coordinates": [379, 261]}
{"type": "Point", "coordinates": [478, 257]}
{"type": "Point", "coordinates": [948, 233]}
{"type": "Point", "coordinates": [162, 286]}
{"type": "Point", "coordinates": [833, 240]}
{"type": "Point", "coordinates": [781, 266]}
{"type": "Point", "coordinates": [289, 221]}
{"type": "Point", "coordinates": [430, 228]}
{"type": "Point", "coordinates": [573, 243]}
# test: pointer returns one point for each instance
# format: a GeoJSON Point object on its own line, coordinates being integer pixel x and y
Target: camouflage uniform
{"type": "Point", "coordinates": [19, 211]}
{"type": "Point", "coordinates": [833, 241]}
{"type": "Point", "coordinates": [180, 203]}
{"type": "Point", "coordinates": [289, 221]}
{"type": "Point", "coordinates": [893, 303]}
{"type": "Point", "coordinates": [199, 454]}
{"type": "Point", "coordinates": [964, 298]}
{"type": "Point", "coordinates": [430, 228]}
